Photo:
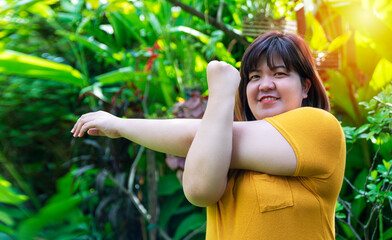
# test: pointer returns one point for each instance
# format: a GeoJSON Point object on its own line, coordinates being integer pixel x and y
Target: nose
{"type": "Point", "coordinates": [267, 84]}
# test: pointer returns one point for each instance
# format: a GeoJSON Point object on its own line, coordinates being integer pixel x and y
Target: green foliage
{"type": "Point", "coordinates": [60, 218]}
{"type": "Point", "coordinates": [14, 63]}
{"type": "Point", "coordinates": [374, 185]}
{"type": "Point", "coordinates": [135, 59]}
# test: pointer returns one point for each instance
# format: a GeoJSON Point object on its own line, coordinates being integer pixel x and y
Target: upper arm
{"type": "Point", "coordinates": [302, 142]}
{"type": "Point", "coordinates": [259, 146]}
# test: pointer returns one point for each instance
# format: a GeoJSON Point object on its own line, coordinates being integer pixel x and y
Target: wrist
{"type": "Point", "coordinates": [117, 127]}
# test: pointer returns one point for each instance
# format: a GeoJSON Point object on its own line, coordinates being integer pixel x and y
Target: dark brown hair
{"type": "Point", "coordinates": [295, 54]}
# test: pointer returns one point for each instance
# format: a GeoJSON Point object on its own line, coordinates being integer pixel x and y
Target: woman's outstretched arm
{"type": "Point", "coordinates": [172, 136]}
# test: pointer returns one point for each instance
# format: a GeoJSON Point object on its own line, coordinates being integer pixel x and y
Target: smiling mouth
{"type": "Point", "coordinates": [269, 99]}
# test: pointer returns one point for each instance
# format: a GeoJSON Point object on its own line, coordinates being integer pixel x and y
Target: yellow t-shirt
{"type": "Point", "coordinates": [261, 206]}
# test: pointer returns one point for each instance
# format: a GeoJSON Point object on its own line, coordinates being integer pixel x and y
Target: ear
{"type": "Point", "coordinates": [305, 88]}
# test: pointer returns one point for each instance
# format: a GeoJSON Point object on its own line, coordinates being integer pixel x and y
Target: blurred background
{"type": "Point", "coordinates": [147, 59]}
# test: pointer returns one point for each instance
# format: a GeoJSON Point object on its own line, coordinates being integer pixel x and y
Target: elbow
{"type": "Point", "coordinates": [201, 195]}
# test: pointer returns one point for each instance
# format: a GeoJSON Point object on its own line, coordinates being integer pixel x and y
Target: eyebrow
{"type": "Point", "coordinates": [272, 68]}
{"type": "Point", "coordinates": [279, 66]}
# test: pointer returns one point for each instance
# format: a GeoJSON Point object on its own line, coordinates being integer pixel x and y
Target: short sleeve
{"type": "Point", "coordinates": [316, 138]}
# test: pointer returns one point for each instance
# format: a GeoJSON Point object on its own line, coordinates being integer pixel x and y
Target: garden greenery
{"type": "Point", "coordinates": [141, 58]}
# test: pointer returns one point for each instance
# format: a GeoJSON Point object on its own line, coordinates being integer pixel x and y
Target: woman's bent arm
{"type": "Point", "coordinates": [209, 157]}
{"type": "Point", "coordinates": [208, 160]}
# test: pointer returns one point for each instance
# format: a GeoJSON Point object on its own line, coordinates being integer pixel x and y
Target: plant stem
{"type": "Point", "coordinates": [152, 193]}
{"type": "Point", "coordinates": [380, 222]}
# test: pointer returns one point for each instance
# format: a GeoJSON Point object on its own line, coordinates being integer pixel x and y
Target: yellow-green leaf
{"type": "Point", "coordinates": [20, 64]}
{"type": "Point", "coordinates": [387, 164]}
{"type": "Point", "coordinates": [339, 41]}
{"type": "Point", "coordinates": [374, 174]}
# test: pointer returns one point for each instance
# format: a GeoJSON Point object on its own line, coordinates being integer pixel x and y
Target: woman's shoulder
{"type": "Point", "coordinates": [307, 117]}
{"type": "Point", "coordinates": [309, 123]}
{"type": "Point", "coordinates": [310, 112]}
{"type": "Point", "coordinates": [313, 132]}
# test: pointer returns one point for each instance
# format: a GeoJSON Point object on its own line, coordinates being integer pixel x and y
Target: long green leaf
{"type": "Point", "coordinates": [131, 22]}
{"type": "Point", "coordinates": [199, 35]}
{"type": "Point", "coordinates": [20, 64]}
{"type": "Point", "coordinates": [119, 30]}
{"type": "Point", "coordinates": [51, 213]}
{"type": "Point", "coordinates": [18, 5]}
{"type": "Point", "coordinates": [166, 85]}
{"type": "Point", "coordinates": [319, 41]}
{"type": "Point", "coordinates": [5, 232]}
{"type": "Point", "coordinates": [88, 42]}
{"type": "Point", "coordinates": [120, 75]}
{"type": "Point", "coordinates": [42, 9]}
{"type": "Point", "coordinates": [339, 41]}
{"type": "Point", "coordinates": [8, 196]}
{"type": "Point", "coordinates": [5, 218]}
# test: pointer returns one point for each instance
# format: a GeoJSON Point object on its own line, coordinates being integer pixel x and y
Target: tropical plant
{"type": "Point", "coordinates": [60, 217]}
{"type": "Point", "coordinates": [136, 59]}
{"type": "Point", "coordinates": [367, 208]}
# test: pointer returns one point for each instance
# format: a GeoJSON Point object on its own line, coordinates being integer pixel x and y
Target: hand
{"type": "Point", "coordinates": [223, 79]}
{"type": "Point", "coordinates": [97, 124]}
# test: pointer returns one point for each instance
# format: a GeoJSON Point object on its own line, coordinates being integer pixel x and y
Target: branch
{"type": "Point", "coordinates": [350, 213]}
{"type": "Point", "coordinates": [211, 21]}
{"type": "Point", "coordinates": [130, 192]}
{"type": "Point", "coordinates": [195, 232]}
{"type": "Point", "coordinates": [351, 228]}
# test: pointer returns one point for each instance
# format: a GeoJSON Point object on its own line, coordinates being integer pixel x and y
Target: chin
{"type": "Point", "coordinates": [268, 113]}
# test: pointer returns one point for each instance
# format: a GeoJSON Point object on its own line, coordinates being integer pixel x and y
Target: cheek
{"type": "Point", "coordinates": [248, 92]}
{"type": "Point", "coordinates": [251, 90]}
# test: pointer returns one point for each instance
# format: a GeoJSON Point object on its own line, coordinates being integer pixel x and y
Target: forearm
{"type": "Point", "coordinates": [208, 159]}
{"type": "Point", "coordinates": [172, 136]}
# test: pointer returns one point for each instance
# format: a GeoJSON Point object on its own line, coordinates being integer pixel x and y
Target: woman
{"type": "Point", "coordinates": [273, 174]}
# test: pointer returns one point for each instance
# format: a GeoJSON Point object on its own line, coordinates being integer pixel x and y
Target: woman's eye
{"type": "Point", "coordinates": [254, 77]}
{"type": "Point", "coordinates": [280, 74]}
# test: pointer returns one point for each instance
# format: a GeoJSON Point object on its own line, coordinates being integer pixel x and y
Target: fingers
{"type": "Point", "coordinates": [85, 122]}
{"type": "Point", "coordinates": [86, 126]}
{"type": "Point", "coordinates": [95, 132]}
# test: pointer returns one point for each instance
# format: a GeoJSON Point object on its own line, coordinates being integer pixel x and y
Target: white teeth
{"type": "Point", "coordinates": [268, 98]}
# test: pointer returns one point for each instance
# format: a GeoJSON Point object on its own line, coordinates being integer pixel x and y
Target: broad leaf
{"type": "Point", "coordinates": [20, 64]}
{"type": "Point", "coordinates": [192, 222]}
{"type": "Point", "coordinates": [168, 185]}
{"type": "Point", "coordinates": [120, 75]}
{"type": "Point", "coordinates": [339, 41]}
{"type": "Point", "coordinates": [49, 214]}
{"type": "Point", "coordinates": [8, 196]}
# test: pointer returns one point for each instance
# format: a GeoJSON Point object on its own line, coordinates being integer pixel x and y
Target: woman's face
{"type": "Point", "coordinates": [274, 91]}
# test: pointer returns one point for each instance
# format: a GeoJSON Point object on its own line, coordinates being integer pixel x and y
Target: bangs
{"type": "Point", "coordinates": [271, 50]}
